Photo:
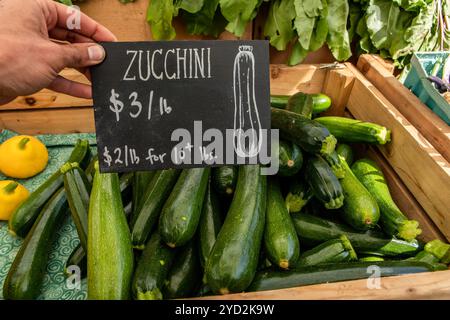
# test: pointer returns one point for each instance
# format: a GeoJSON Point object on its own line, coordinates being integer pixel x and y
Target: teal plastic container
{"type": "Point", "coordinates": [422, 64]}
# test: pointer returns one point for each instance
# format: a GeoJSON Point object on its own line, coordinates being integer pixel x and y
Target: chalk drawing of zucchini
{"type": "Point", "coordinates": [247, 127]}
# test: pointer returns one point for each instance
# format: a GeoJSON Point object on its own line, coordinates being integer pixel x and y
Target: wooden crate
{"type": "Point", "coordinates": [426, 173]}
{"type": "Point", "coordinates": [128, 22]}
{"type": "Point", "coordinates": [433, 128]}
{"type": "Point", "coordinates": [348, 88]}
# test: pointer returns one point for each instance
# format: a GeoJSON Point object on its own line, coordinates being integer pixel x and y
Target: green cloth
{"type": "Point", "coordinates": [55, 285]}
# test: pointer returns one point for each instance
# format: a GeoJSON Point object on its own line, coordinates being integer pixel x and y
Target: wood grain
{"type": "Point", "coordinates": [423, 170]}
{"type": "Point", "coordinates": [338, 86]}
{"type": "Point", "coordinates": [433, 128]}
{"type": "Point", "coordinates": [51, 121]}
{"type": "Point", "coordinates": [50, 99]}
{"type": "Point", "coordinates": [435, 285]}
{"type": "Point", "coordinates": [289, 80]}
{"type": "Point", "coordinates": [387, 65]}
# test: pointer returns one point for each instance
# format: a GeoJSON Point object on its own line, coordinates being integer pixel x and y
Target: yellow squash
{"type": "Point", "coordinates": [22, 157]}
{"type": "Point", "coordinates": [12, 194]}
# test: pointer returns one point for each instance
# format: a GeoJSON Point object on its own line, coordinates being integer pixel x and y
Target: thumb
{"type": "Point", "coordinates": [79, 55]}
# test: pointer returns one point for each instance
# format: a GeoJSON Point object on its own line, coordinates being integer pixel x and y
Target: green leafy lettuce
{"type": "Point", "coordinates": [159, 16]}
{"type": "Point", "coordinates": [191, 6]}
{"type": "Point", "coordinates": [338, 39]}
{"type": "Point", "coordinates": [278, 26]}
{"type": "Point", "coordinates": [238, 14]}
{"type": "Point", "coordinates": [208, 21]}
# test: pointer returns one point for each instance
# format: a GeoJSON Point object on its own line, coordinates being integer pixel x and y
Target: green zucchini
{"type": "Point", "coordinates": [224, 179]}
{"type": "Point", "coordinates": [440, 249]}
{"type": "Point", "coordinates": [321, 102]}
{"type": "Point", "coordinates": [310, 135]}
{"type": "Point", "coordinates": [128, 209]}
{"type": "Point", "coordinates": [209, 225]}
{"type": "Point", "coordinates": [140, 182]}
{"type": "Point", "coordinates": [279, 101]}
{"type": "Point", "coordinates": [125, 183]}
{"type": "Point", "coordinates": [324, 183]}
{"type": "Point", "coordinates": [331, 251]}
{"type": "Point", "coordinates": [371, 258]}
{"type": "Point", "coordinates": [314, 230]}
{"type": "Point", "coordinates": [78, 187]}
{"type": "Point", "coordinates": [182, 210]}
{"type": "Point", "coordinates": [316, 208]}
{"type": "Point", "coordinates": [426, 257]}
{"type": "Point", "coordinates": [301, 103]}
{"type": "Point", "coordinates": [77, 258]}
{"type": "Point", "coordinates": [280, 238]}
{"type": "Point", "coordinates": [24, 216]}
{"type": "Point", "coordinates": [27, 272]}
{"type": "Point", "coordinates": [290, 158]}
{"type": "Point", "coordinates": [351, 130]}
{"type": "Point", "coordinates": [272, 279]}
{"type": "Point", "coordinates": [335, 164]}
{"type": "Point", "coordinates": [153, 200]}
{"type": "Point", "coordinates": [152, 269]}
{"type": "Point", "coordinates": [232, 263]}
{"type": "Point", "coordinates": [110, 254]}
{"type": "Point", "coordinates": [78, 190]}
{"type": "Point", "coordinates": [430, 258]}
{"type": "Point", "coordinates": [90, 169]}
{"type": "Point", "coordinates": [360, 208]}
{"type": "Point", "coordinates": [298, 195]}
{"type": "Point", "coordinates": [185, 275]}
{"type": "Point", "coordinates": [393, 221]}
{"type": "Point", "coordinates": [204, 291]}
{"type": "Point", "coordinates": [346, 152]}
{"type": "Point", "coordinates": [263, 262]}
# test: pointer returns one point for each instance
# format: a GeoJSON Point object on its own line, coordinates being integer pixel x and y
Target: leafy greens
{"type": "Point", "coordinates": [393, 28]}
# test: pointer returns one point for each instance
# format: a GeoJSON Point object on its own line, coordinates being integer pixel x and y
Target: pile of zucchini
{"type": "Point", "coordinates": [194, 232]}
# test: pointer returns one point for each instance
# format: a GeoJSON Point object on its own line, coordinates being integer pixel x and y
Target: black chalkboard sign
{"type": "Point", "coordinates": [180, 104]}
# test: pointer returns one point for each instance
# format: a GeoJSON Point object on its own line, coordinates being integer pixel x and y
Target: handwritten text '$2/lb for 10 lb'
{"type": "Point", "coordinates": [136, 108]}
{"type": "Point", "coordinates": [128, 156]}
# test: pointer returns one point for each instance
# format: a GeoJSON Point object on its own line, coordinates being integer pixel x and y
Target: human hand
{"type": "Point", "coordinates": [29, 58]}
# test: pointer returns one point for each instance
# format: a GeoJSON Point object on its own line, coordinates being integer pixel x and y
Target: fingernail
{"type": "Point", "coordinates": [96, 53]}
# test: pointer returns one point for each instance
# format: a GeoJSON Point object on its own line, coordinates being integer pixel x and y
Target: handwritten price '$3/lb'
{"type": "Point", "coordinates": [136, 108]}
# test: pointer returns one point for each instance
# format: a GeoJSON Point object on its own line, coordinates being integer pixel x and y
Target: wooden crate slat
{"type": "Point", "coordinates": [424, 171]}
{"type": "Point", "coordinates": [428, 285]}
{"type": "Point", "coordinates": [289, 80]}
{"type": "Point", "coordinates": [50, 99]}
{"type": "Point", "coordinates": [433, 128]}
{"type": "Point", "coordinates": [51, 121]}
{"type": "Point", "coordinates": [338, 86]}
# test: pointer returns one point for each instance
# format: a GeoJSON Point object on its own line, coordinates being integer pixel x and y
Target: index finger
{"type": "Point", "coordinates": [63, 16]}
